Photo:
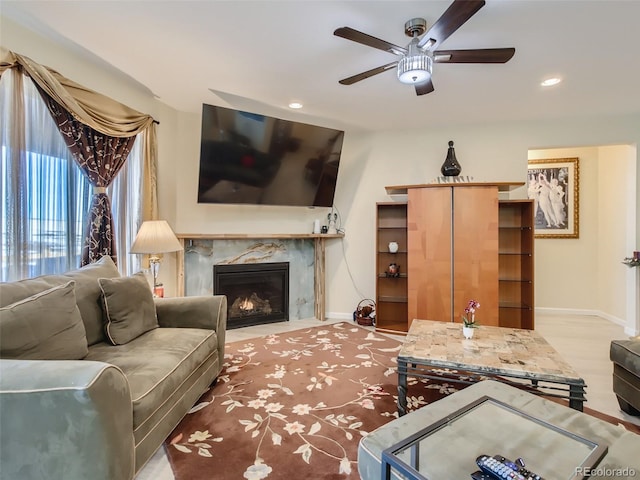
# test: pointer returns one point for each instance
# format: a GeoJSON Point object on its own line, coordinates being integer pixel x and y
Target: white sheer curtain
{"type": "Point", "coordinates": [125, 194]}
{"type": "Point", "coordinates": [44, 198]}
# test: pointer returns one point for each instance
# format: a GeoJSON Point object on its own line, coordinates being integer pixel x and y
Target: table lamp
{"type": "Point", "coordinates": [154, 238]}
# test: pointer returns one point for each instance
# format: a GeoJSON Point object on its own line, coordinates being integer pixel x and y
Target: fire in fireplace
{"type": "Point", "coordinates": [256, 293]}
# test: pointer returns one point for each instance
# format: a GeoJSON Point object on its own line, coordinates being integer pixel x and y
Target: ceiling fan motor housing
{"type": "Point", "coordinates": [415, 27]}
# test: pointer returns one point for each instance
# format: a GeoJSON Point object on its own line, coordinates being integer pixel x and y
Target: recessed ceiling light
{"type": "Point", "coordinates": [295, 105]}
{"type": "Point", "coordinates": [549, 82]}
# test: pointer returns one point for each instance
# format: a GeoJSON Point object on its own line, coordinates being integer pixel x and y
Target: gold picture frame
{"type": "Point", "coordinates": [554, 184]}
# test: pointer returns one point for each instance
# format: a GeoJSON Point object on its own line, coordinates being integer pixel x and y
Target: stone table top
{"type": "Point", "coordinates": [494, 350]}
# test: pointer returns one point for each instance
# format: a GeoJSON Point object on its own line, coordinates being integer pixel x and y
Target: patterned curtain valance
{"type": "Point", "coordinates": [93, 118]}
{"type": "Point", "coordinates": [98, 111]}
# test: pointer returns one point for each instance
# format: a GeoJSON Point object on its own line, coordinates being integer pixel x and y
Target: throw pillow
{"type": "Point", "coordinates": [44, 326]}
{"type": "Point", "coordinates": [128, 307]}
{"type": "Point", "coordinates": [88, 295]}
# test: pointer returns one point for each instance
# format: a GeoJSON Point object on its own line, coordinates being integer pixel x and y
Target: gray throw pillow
{"type": "Point", "coordinates": [128, 306]}
{"type": "Point", "coordinates": [44, 326]}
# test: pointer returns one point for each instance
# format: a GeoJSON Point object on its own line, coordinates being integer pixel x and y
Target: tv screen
{"type": "Point", "coordinates": [257, 159]}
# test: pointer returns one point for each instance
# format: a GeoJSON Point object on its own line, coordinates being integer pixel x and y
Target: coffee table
{"type": "Point", "coordinates": [456, 450]}
{"type": "Point", "coordinates": [521, 358]}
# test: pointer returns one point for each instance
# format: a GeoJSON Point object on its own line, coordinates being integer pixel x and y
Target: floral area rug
{"type": "Point", "coordinates": [291, 406]}
{"type": "Point", "coordinates": [294, 406]}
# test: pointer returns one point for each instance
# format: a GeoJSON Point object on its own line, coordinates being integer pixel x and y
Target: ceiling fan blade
{"type": "Point", "coordinates": [483, 55]}
{"type": "Point", "coordinates": [367, 74]}
{"type": "Point", "coordinates": [424, 87]}
{"type": "Point", "coordinates": [453, 18]}
{"type": "Point", "coordinates": [359, 37]}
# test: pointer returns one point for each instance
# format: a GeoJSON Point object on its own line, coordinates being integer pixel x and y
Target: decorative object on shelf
{"type": "Point", "coordinates": [632, 261]}
{"type": "Point", "coordinates": [448, 180]}
{"type": "Point", "coordinates": [365, 313]}
{"type": "Point", "coordinates": [393, 270]}
{"type": "Point", "coordinates": [469, 319]}
{"type": "Point", "coordinates": [333, 218]}
{"type": "Point", "coordinates": [451, 167]}
{"type": "Point", "coordinates": [393, 247]}
{"type": "Point", "coordinates": [154, 238]}
{"type": "Point", "coordinates": [554, 188]}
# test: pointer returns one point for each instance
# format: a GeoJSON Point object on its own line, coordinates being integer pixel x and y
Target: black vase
{"type": "Point", "coordinates": [451, 167]}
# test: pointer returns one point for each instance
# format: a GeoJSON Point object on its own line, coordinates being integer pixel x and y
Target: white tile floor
{"type": "Point", "coordinates": [582, 340]}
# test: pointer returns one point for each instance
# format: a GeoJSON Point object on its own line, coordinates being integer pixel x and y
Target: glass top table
{"type": "Point", "coordinates": [449, 447]}
{"type": "Point", "coordinates": [499, 353]}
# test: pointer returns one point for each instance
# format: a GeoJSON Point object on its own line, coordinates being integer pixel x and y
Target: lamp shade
{"type": "Point", "coordinates": [155, 236]}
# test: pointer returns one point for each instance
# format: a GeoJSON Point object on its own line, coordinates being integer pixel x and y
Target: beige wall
{"type": "Point", "coordinates": [586, 274]}
{"type": "Point", "coordinates": [370, 162]}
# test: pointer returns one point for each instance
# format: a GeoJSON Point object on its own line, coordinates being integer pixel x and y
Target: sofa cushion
{"type": "Point", "coordinates": [44, 326]}
{"type": "Point", "coordinates": [87, 292]}
{"type": "Point", "coordinates": [88, 295]}
{"type": "Point", "coordinates": [12, 292]}
{"type": "Point", "coordinates": [158, 366]}
{"type": "Point", "coordinates": [128, 307]}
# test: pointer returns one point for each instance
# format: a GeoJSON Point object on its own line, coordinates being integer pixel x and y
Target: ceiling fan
{"type": "Point", "coordinates": [416, 64]}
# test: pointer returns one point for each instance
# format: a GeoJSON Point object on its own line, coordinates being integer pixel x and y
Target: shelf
{"type": "Point", "coordinates": [515, 227]}
{"type": "Point", "coordinates": [236, 236]}
{"type": "Point", "coordinates": [516, 267]}
{"type": "Point", "coordinates": [391, 292]}
{"type": "Point", "coordinates": [395, 328]}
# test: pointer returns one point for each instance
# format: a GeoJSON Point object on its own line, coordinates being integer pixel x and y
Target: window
{"type": "Point", "coordinates": [44, 197]}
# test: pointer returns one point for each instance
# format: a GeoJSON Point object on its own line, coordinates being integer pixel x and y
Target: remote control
{"type": "Point", "coordinates": [479, 475]}
{"type": "Point", "coordinates": [502, 469]}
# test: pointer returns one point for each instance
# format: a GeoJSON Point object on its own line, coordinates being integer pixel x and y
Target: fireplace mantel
{"type": "Point", "coordinates": [319, 260]}
{"type": "Point", "coordinates": [256, 236]}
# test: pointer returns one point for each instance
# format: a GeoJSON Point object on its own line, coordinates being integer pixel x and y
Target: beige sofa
{"type": "Point", "coordinates": [95, 373]}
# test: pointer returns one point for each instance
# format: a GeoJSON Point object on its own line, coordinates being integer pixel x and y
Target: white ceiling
{"type": "Point", "coordinates": [261, 55]}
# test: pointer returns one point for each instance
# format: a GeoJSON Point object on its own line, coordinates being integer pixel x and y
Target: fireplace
{"type": "Point", "coordinates": [256, 293]}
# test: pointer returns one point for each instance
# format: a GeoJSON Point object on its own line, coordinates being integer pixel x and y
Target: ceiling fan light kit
{"type": "Point", "coordinates": [416, 65]}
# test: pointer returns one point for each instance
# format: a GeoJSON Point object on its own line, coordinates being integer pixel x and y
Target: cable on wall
{"type": "Point", "coordinates": [344, 253]}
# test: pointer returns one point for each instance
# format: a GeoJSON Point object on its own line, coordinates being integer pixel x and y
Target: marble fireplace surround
{"type": "Point", "coordinates": [201, 251]}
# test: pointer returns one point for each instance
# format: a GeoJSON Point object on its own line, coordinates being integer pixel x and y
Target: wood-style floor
{"type": "Point", "coordinates": [582, 340]}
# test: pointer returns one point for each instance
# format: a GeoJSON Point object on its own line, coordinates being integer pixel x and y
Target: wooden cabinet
{"type": "Point", "coordinates": [462, 244]}
{"type": "Point", "coordinates": [516, 263]}
{"type": "Point", "coordinates": [391, 291]}
{"type": "Point", "coordinates": [453, 252]}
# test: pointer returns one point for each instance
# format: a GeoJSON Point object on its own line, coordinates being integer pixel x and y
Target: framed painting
{"type": "Point", "coordinates": [554, 185]}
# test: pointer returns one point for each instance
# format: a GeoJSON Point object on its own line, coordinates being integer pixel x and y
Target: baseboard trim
{"type": "Point", "coordinates": [340, 315]}
{"type": "Point", "coordinates": [594, 313]}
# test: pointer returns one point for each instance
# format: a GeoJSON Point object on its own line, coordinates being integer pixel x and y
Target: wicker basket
{"type": "Point", "coordinates": [365, 313]}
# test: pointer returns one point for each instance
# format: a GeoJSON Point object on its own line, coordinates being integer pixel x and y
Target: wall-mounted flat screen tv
{"type": "Point", "coordinates": [246, 158]}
